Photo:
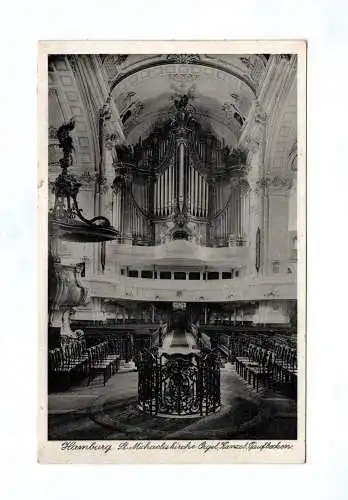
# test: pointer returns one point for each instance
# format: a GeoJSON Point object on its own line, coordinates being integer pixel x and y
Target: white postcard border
{"type": "Point", "coordinates": [200, 451]}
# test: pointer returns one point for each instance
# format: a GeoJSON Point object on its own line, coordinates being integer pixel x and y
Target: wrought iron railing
{"type": "Point", "coordinates": [179, 384]}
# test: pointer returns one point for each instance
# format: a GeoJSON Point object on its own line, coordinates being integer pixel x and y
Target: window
{"type": "Point", "coordinates": [236, 273]}
{"type": "Point", "coordinates": [194, 276]}
{"type": "Point", "coordinates": [147, 274]}
{"type": "Point", "coordinates": [226, 276]}
{"type": "Point", "coordinates": [179, 276]}
{"type": "Point", "coordinates": [132, 273]}
{"type": "Point", "coordinates": [165, 275]}
{"type": "Point", "coordinates": [213, 276]}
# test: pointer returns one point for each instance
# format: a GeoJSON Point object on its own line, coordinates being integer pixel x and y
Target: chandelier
{"type": "Point", "coordinates": [66, 220]}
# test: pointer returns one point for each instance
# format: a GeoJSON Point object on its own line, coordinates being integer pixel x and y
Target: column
{"type": "Point", "coordinates": [277, 225]}
{"type": "Point", "coordinates": [272, 312]}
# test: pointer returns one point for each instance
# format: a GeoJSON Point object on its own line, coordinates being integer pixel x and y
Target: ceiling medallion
{"type": "Point", "coordinates": [65, 219]}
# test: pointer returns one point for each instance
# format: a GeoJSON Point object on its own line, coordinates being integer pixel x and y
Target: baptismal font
{"type": "Point", "coordinates": [180, 374]}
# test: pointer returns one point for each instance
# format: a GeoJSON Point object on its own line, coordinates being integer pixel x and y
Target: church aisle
{"type": "Point", "coordinates": [111, 412]}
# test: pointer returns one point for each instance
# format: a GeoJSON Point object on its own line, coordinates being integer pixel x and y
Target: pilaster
{"type": "Point", "coordinates": [272, 312]}
{"type": "Point", "coordinates": [274, 191]}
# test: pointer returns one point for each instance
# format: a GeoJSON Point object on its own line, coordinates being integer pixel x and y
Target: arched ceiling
{"type": "Point", "coordinates": [142, 91]}
{"type": "Point", "coordinates": [282, 143]}
{"type": "Point", "coordinates": [221, 88]}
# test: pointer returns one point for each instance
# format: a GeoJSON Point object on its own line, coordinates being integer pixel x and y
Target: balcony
{"type": "Point", "coordinates": [177, 253]}
{"type": "Point", "coordinates": [123, 288]}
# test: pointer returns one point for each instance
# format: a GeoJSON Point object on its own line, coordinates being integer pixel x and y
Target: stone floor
{"type": "Point", "coordinates": [110, 412]}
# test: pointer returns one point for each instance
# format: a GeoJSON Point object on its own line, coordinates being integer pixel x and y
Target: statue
{"type": "Point", "coordinates": [181, 102]}
{"type": "Point", "coordinates": [66, 142]}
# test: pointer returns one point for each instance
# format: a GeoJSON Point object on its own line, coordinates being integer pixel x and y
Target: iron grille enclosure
{"type": "Point", "coordinates": [179, 384]}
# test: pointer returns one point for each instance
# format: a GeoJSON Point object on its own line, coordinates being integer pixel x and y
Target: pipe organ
{"type": "Point", "coordinates": [180, 182]}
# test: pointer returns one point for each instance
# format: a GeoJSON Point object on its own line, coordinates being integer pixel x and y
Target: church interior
{"type": "Point", "coordinates": [172, 238]}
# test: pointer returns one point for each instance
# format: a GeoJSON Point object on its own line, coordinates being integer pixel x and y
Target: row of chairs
{"type": "Point", "coordinates": [102, 360]}
{"type": "Point", "coordinates": [67, 365]}
{"type": "Point", "coordinates": [73, 362]}
{"type": "Point", "coordinates": [239, 343]}
{"type": "Point", "coordinates": [126, 344]}
{"type": "Point", "coordinates": [275, 369]}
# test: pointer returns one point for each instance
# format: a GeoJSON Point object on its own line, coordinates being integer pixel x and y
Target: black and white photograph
{"type": "Point", "coordinates": [175, 227]}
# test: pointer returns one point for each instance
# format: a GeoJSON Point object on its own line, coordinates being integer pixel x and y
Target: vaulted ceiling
{"type": "Point", "coordinates": [221, 89]}
{"type": "Point", "coordinates": [141, 89]}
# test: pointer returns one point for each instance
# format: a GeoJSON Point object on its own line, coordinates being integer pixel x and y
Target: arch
{"type": "Point", "coordinates": [282, 130]}
{"type": "Point", "coordinates": [148, 88]}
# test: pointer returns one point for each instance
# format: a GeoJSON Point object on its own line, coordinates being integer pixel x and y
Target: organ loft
{"type": "Point", "coordinates": [181, 182]}
{"type": "Point", "coordinates": [172, 232]}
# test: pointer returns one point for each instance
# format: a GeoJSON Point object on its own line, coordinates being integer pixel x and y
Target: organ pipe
{"type": "Point", "coordinates": [170, 189]}
{"type": "Point", "coordinates": [173, 186]}
{"type": "Point", "coordinates": [157, 196]}
{"type": "Point", "coordinates": [181, 174]}
{"type": "Point", "coordinates": [199, 194]}
{"type": "Point", "coordinates": [183, 183]}
{"type": "Point", "coordinates": [196, 193]}
{"type": "Point", "coordinates": [242, 213]}
{"type": "Point", "coordinates": [239, 215]}
{"type": "Point", "coordinates": [165, 192]}
{"type": "Point", "coordinates": [162, 194]}
{"type": "Point", "coordinates": [192, 173]}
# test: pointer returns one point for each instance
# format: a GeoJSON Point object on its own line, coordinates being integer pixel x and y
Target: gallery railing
{"type": "Point", "coordinates": [179, 384]}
